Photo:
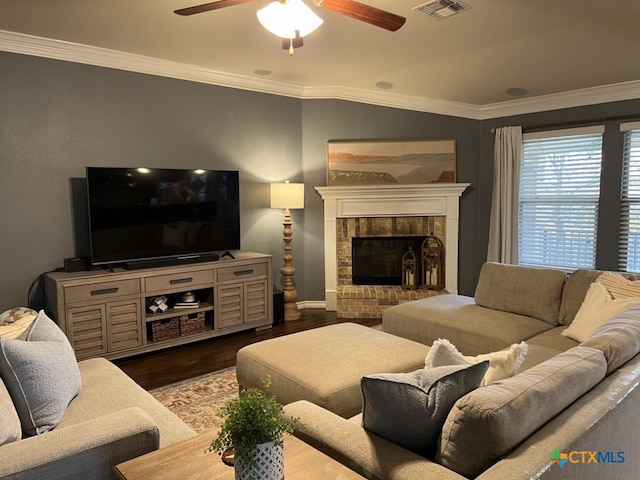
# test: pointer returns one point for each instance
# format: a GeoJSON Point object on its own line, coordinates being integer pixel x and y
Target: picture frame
{"type": "Point", "coordinates": [384, 162]}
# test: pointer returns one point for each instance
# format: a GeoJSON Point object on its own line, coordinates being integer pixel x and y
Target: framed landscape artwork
{"type": "Point", "coordinates": [387, 162]}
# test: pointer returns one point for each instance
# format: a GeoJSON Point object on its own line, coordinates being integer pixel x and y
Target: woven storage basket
{"type": "Point", "coordinates": [165, 329]}
{"type": "Point", "coordinates": [190, 324]}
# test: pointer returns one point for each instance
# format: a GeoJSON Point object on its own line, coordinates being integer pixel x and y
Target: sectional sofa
{"type": "Point", "coordinates": [571, 411]}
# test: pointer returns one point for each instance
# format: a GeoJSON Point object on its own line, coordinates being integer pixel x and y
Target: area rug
{"type": "Point", "coordinates": [197, 401]}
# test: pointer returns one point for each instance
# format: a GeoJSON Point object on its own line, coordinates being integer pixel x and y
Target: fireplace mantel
{"type": "Point", "coordinates": [433, 199]}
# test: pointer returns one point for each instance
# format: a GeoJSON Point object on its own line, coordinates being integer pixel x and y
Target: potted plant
{"type": "Point", "coordinates": [253, 431]}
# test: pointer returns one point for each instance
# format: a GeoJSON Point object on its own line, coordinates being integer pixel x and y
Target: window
{"type": "Point", "coordinates": [559, 194]}
{"type": "Point", "coordinates": [629, 252]}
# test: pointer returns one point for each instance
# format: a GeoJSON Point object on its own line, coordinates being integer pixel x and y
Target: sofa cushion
{"type": "Point", "coordinates": [502, 364]}
{"type": "Point", "coordinates": [545, 346]}
{"type": "Point", "coordinates": [40, 371]}
{"type": "Point", "coordinates": [618, 338]}
{"type": "Point", "coordinates": [575, 289]}
{"type": "Point", "coordinates": [596, 309]}
{"type": "Point", "coordinates": [491, 421]}
{"type": "Point", "coordinates": [410, 408]}
{"type": "Point", "coordinates": [471, 328]}
{"type": "Point", "coordinates": [10, 429]}
{"type": "Point", "coordinates": [509, 288]}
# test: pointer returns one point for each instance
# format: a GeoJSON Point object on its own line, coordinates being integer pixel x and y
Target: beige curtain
{"type": "Point", "coordinates": [503, 227]}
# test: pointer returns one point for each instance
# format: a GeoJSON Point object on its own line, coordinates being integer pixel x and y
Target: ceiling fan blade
{"type": "Point", "coordinates": [365, 13]}
{"type": "Point", "coordinates": [207, 7]}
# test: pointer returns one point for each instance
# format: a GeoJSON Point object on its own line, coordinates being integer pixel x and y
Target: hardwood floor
{"type": "Point", "coordinates": [156, 369]}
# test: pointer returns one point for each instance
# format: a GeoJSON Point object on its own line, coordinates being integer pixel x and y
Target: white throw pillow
{"type": "Point", "coordinates": [596, 309]}
{"type": "Point", "coordinates": [502, 364]}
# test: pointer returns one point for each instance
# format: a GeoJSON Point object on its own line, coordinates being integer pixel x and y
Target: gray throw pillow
{"type": "Point", "coordinates": [9, 421]}
{"type": "Point", "coordinates": [40, 372]}
{"type": "Point", "coordinates": [409, 409]}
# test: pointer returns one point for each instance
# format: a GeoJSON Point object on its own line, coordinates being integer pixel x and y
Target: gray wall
{"type": "Point", "coordinates": [58, 117]}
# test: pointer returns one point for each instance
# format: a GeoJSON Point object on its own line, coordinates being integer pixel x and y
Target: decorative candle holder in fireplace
{"type": "Point", "coordinates": [410, 270]}
{"type": "Point", "coordinates": [432, 259]}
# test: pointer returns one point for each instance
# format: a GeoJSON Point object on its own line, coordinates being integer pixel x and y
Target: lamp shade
{"type": "Point", "coordinates": [283, 19]}
{"type": "Point", "coordinates": [287, 195]}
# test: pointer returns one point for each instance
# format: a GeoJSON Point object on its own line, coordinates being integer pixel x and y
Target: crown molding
{"type": "Point", "coordinates": [103, 57]}
{"type": "Point", "coordinates": [386, 99]}
{"type": "Point", "coordinates": [73, 52]}
{"type": "Point", "coordinates": [575, 98]}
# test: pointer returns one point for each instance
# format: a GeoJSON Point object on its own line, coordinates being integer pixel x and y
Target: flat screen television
{"type": "Point", "coordinates": [153, 216]}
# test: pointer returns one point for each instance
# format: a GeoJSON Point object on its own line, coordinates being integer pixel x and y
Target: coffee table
{"type": "Point", "coordinates": [186, 460]}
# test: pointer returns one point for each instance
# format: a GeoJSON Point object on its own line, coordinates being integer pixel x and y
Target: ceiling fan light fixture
{"type": "Point", "coordinates": [284, 18]}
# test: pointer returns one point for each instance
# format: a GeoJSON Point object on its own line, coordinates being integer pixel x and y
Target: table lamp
{"type": "Point", "coordinates": [288, 195]}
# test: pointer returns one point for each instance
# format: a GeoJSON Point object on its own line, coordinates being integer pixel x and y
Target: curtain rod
{"type": "Point", "coordinates": [573, 123]}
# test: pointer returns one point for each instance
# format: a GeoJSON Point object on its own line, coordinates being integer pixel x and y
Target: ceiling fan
{"type": "Point", "coordinates": [350, 8]}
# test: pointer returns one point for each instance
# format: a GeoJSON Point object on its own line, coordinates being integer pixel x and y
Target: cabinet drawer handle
{"type": "Point", "coordinates": [178, 281]}
{"type": "Point", "coordinates": [243, 272]}
{"type": "Point", "coordinates": [104, 291]}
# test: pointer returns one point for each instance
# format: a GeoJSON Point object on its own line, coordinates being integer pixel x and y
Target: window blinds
{"type": "Point", "coordinates": [559, 193]}
{"type": "Point", "coordinates": [629, 248]}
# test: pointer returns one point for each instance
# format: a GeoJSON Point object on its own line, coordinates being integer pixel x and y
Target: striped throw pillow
{"type": "Point", "coordinates": [618, 286]}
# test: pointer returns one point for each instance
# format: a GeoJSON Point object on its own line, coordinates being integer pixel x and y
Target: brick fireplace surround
{"type": "Point", "coordinates": [384, 210]}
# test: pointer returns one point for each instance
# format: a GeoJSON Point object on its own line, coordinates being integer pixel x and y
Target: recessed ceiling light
{"type": "Point", "coordinates": [385, 85]}
{"type": "Point", "coordinates": [517, 91]}
{"type": "Point", "coordinates": [262, 72]}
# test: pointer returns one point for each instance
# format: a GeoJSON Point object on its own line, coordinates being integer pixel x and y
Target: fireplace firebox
{"type": "Point", "coordinates": [378, 260]}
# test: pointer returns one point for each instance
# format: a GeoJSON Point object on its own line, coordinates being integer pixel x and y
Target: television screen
{"type": "Point", "coordinates": [142, 214]}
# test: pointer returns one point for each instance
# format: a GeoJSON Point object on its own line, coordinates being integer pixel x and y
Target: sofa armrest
{"type": "Point", "coordinates": [368, 454]}
{"type": "Point", "coordinates": [85, 450]}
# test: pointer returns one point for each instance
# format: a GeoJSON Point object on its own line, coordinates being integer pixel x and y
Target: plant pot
{"type": "Point", "coordinates": [268, 465]}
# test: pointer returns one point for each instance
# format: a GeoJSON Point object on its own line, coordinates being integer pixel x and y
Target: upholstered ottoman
{"type": "Point", "coordinates": [325, 365]}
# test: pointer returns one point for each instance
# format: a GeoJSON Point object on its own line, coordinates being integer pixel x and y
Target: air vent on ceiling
{"type": "Point", "coordinates": [440, 9]}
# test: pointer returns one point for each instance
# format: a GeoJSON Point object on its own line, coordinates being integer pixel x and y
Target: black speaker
{"type": "Point", "coordinates": [77, 264]}
{"type": "Point", "coordinates": [278, 307]}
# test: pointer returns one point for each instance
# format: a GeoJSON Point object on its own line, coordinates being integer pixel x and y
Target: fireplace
{"type": "Point", "coordinates": [378, 260]}
{"type": "Point", "coordinates": [384, 210]}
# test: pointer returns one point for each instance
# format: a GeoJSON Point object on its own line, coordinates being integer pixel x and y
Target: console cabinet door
{"type": "Point", "coordinates": [256, 301]}
{"type": "Point", "coordinates": [87, 330]}
{"type": "Point", "coordinates": [124, 322]}
{"type": "Point", "coordinates": [230, 305]}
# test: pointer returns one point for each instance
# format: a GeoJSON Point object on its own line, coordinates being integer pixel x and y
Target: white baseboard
{"type": "Point", "coordinates": [311, 304]}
